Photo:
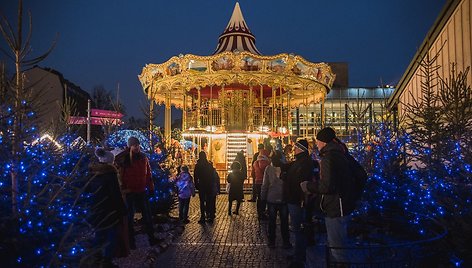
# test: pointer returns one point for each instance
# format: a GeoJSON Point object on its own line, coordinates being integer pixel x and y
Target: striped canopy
{"type": "Point", "coordinates": [237, 35]}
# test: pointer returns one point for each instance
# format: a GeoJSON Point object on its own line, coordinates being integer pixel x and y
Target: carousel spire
{"type": "Point", "coordinates": [237, 35]}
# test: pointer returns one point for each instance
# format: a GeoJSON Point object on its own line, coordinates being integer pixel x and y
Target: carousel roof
{"type": "Point", "coordinates": [237, 35]}
{"type": "Point", "coordinates": [237, 65]}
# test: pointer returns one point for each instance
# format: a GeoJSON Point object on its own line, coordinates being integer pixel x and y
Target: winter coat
{"type": "Point", "coordinates": [185, 185]}
{"type": "Point", "coordinates": [107, 204]}
{"type": "Point", "coordinates": [242, 160]}
{"type": "Point", "coordinates": [136, 174]}
{"type": "Point", "coordinates": [273, 186]}
{"type": "Point", "coordinates": [204, 176]}
{"type": "Point", "coordinates": [236, 178]}
{"type": "Point", "coordinates": [216, 183]}
{"type": "Point", "coordinates": [335, 182]}
{"type": "Point", "coordinates": [299, 170]}
{"type": "Point", "coordinates": [259, 167]}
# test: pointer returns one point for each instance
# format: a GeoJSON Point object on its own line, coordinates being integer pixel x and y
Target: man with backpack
{"type": "Point", "coordinates": [335, 186]}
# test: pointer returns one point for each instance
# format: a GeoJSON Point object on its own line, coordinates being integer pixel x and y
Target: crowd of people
{"type": "Point", "coordinates": [287, 185]}
{"type": "Point", "coordinates": [293, 184]}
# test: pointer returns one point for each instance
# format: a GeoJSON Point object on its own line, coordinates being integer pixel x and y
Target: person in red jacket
{"type": "Point", "coordinates": [136, 182]}
{"type": "Point", "coordinates": [258, 169]}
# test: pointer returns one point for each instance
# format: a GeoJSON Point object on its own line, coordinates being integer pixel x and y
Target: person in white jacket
{"type": "Point", "coordinates": [272, 192]}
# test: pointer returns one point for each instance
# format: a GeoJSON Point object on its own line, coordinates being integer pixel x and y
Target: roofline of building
{"type": "Point", "coordinates": [431, 36]}
{"type": "Point", "coordinates": [70, 85]}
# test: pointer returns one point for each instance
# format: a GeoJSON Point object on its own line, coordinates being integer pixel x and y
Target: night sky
{"type": "Point", "coordinates": [108, 42]}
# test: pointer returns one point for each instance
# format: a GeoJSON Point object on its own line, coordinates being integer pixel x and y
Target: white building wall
{"type": "Point", "coordinates": [455, 40]}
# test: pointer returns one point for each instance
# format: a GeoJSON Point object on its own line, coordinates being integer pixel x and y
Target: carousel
{"type": "Point", "coordinates": [235, 95]}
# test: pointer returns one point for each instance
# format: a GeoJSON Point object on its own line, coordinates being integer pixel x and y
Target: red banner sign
{"type": "Point", "coordinates": [77, 120]}
{"type": "Point", "coordinates": [81, 120]}
{"type": "Point", "coordinates": [105, 113]}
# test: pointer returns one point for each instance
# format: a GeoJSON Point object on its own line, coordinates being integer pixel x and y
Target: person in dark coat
{"type": "Point", "coordinates": [236, 180]}
{"type": "Point", "coordinates": [242, 160]}
{"type": "Point", "coordinates": [204, 183]}
{"type": "Point", "coordinates": [335, 185]}
{"type": "Point", "coordinates": [215, 189]}
{"type": "Point", "coordinates": [298, 171]}
{"type": "Point", "coordinates": [107, 205]}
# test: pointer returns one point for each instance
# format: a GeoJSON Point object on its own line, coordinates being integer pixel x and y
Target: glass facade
{"type": "Point", "coordinates": [346, 109]}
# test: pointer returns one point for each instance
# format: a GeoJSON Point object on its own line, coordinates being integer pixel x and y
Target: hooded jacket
{"type": "Point", "coordinates": [272, 186]}
{"type": "Point", "coordinates": [259, 167]}
{"type": "Point", "coordinates": [299, 170]}
{"type": "Point", "coordinates": [185, 185]}
{"type": "Point", "coordinates": [242, 160]}
{"type": "Point", "coordinates": [335, 182]}
{"type": "Point", "coordinates": [236, 178]}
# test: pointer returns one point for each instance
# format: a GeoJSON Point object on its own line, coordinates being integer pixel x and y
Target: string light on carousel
{"type": "Point", "coordinates": [235, 94]}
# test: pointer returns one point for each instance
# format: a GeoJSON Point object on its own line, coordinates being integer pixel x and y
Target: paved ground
{"type": "Point", "coordinates": [236, 241]}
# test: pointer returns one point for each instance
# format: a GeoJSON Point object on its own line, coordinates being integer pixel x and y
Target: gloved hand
{"type": "Point", "coordinates": [304, 186]}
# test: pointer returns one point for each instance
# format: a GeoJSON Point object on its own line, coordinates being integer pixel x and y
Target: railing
{"type": "Point", "coordinates": [256, 117]}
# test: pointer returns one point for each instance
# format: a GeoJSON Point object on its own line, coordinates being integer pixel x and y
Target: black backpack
{"type": "Point", "coordinates": [359, 178]}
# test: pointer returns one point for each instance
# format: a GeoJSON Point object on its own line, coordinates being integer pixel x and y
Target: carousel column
{"type": "Point", "coordinates": [211, 123]}
{"type": "Point", "coordinates": [306, 115]}
{"type": "Point", "coordinates": [323, 113]}
{"type": "Point", "coordinates": [199, 103]}
{"type": "Point", "coordinates": [281, 105]}
{"type": "Point", "coordinates": [313, 115]}
{"type": "Point", "coordinates": [167, 120]}
{"type": "Point", "coordinates": [274, 114]}
{"type": "Point", "coordinates": [192, 125]}
{"type": "Point", "coordinates": [289, 117]}
{"type": "Point", "coordinates": [251, 108]}
{"type": "Point", "coordinates": [151, 119]}
{"type": "Point", "coordinates": [262, 106]}
{"type": "Point", "coordinates": [184, 111]}
{"type": "Point", "coordinates": [210, 109]}
{"type": "Point", "coordinates": [223, 99]}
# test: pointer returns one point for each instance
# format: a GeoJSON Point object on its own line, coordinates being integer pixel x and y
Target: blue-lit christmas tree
{"type": "Point", "coordinates": [46, 226]}
{"type": "Point", "coordinates": [423, 170]}
{"type": "Point", "coordinates": [42, 180]}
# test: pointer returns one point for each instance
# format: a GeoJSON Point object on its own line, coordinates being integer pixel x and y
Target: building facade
{"type": "Point", "coordinates": [346, 109]}
{"type": "Point", "coordinates": [451, 39]}
{"type": "Point", "coordinates": [53, 91]}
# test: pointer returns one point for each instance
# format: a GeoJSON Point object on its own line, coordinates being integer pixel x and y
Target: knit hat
{"type": "Point", "coordinates": [326, 135]}
{"type": "Point", "coordinates": [133, 141]}
{"type": "Point", "coordinates": [104, 156]}
{"type": "Point", "coordinates": [302, 145]}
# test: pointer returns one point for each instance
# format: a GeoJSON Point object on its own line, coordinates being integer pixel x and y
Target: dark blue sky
{"type": "Point", "coordinates": [106, 42]}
